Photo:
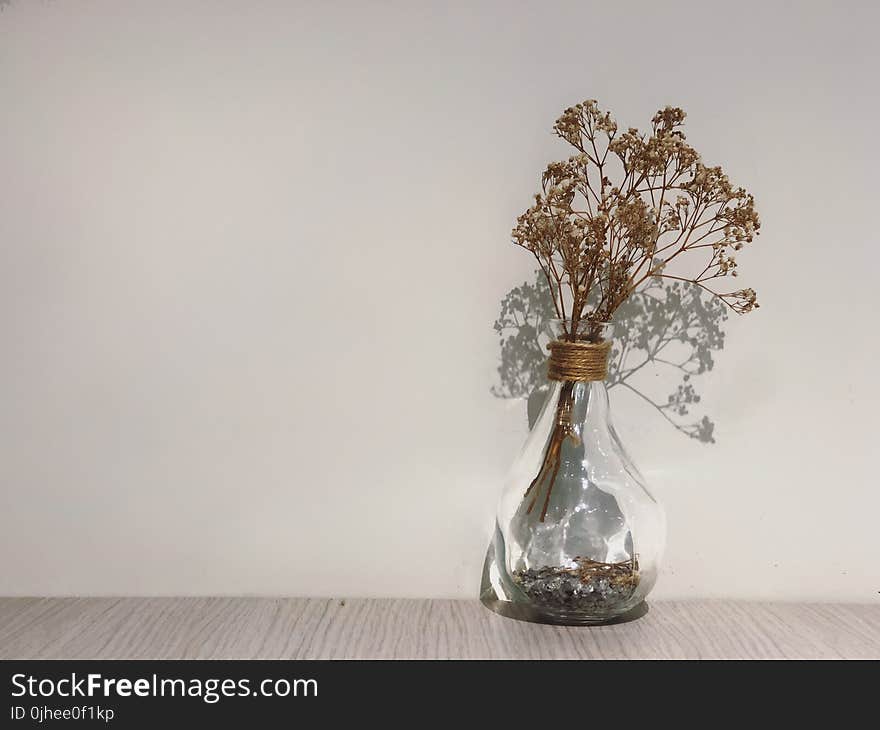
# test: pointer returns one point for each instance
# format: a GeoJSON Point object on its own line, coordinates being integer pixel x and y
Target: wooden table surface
{"type": "Point", "coordinates": [300, 628]}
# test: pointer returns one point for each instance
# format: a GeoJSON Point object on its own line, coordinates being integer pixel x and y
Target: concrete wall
{"type": "Point", "coordinates": [251, 255]}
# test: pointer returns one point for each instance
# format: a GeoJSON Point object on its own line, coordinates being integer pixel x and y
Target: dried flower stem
{"type": "Point", "coordinates": [552, 456]}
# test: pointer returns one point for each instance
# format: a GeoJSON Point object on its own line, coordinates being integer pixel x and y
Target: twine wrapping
{"type": "Point", "coordinates": [578, 360]}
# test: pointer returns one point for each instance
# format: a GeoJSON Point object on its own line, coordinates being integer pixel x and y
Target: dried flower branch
{"type": "Point", "coordinates": [627, 209]}
{"type": "Point", "coordinates": [630, 207]}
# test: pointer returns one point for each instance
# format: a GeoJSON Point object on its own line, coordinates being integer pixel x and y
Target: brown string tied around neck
{"type": "Point", "coordinates": [578, 360]}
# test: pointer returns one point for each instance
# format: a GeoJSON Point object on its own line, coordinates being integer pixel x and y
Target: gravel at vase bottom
{"type": "Point", "coordinates": [591, 586]}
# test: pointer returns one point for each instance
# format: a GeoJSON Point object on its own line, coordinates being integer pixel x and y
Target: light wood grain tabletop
{"type": "Point", "coordinates": [301, 628]}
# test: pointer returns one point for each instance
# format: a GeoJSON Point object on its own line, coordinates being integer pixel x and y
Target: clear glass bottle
{"type": "Point", "coordinates": [578, 537]}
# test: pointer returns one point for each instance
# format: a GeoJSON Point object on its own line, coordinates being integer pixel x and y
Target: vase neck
{"type": "Point", "coordinates": [581, 402]}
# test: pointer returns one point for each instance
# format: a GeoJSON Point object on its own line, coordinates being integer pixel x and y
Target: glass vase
{"type": "Point", "coordinates": [578, 536]}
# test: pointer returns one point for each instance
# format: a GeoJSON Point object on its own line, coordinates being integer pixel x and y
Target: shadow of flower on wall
{"type": "Point", "coordinates": [667, 327]}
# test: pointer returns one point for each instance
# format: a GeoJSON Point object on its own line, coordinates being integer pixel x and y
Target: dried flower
{"type": "Point", "coordinates": [629, 207]}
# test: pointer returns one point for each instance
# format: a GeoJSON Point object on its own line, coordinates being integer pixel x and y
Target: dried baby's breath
{"type": "Point", "coordinates": [629, 207]}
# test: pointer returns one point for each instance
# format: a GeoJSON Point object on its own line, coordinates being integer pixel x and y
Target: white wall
{"type": "Point", "coordinates": [250, 255]}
